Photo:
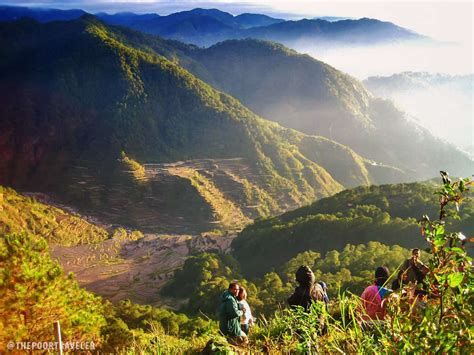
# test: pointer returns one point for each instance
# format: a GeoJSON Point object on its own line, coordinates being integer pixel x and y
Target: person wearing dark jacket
{"type": "Point", "coordinates": [308, 290]}
{"type": "Point", "coordinates": [413, 268]}
{"type": "Point", "coordinates": [229, 316]}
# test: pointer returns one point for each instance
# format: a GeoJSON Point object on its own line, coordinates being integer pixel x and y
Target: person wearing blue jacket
{"type": "Point", "coordinates": [229, 316]}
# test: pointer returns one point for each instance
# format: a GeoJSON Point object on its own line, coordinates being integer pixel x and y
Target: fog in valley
{"type": "Point", "coordinates": [431, 81]}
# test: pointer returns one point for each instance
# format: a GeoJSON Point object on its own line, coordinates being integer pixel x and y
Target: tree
{"type": "Point", "coordinates": [34, 292]}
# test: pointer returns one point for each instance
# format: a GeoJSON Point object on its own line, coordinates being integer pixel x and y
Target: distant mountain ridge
{"type": "Point", "coordinates": [418, 80]}
{"type": "Point", "coordinates": [13, 13]}
{"type": "Point", "coordinates": [205, 27]}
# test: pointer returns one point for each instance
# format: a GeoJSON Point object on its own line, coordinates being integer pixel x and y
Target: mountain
{"type": "Point", "coordinates": [433, 100]}
{"type": "Point", "coordinates": [309, 93]}
{"type": "Point", "coordinates": [332, 18]}
{"type": "Point", "coordinates": [193, 24]}
{"type": "Point", "coordinates": [386, 213]}
{"type": "Point", "coordinates": [303, 93]}
{"type": "Point", "coordinates": [406, 81]}
{"type": "Point", "coordinates": [199, 26]}
{"type": "Point", "coordinates": [255, 20]}
{"type": "Point", "coordinates": [317, 99]}
{"type": "Point", "coordinates": [349, 32]}
{"type": "Point", "coordinates": [12, 13]}
{"type": "Point", "coordinates": [128, 135]}
{"type": "Point", "coordinates": [205, 27]}
{"type": "Point", "coordinates": [129, 19]}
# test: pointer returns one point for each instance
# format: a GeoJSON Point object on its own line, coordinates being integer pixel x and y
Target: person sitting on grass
{"type": "Point", "coordinates": [374, 296]}
{"type": "Point", "coordinates": [414, 268]}
{"type": "Point", "coordinates": [308, 290]}
{"type": "Point", "coordinates": [246, 320]}
{"type": "Point", "coordinates": [229, 316]}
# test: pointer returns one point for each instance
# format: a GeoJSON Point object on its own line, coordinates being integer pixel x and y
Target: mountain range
{"type": "Point", "coordinates": [130, 127]}
{"type": "Point", "coordinates": [303, 93]}
{"type": "Point", "coordinates": [205, 27]}
{"type": "Point", "coordinates": [132, 136]}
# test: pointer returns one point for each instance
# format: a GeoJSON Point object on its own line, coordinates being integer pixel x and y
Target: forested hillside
{"type": "Point", "coordinates": [387, 213]}
{"type": "Point", "coordinates": [317, 99]}
{"type": "Point", "coordinates": [25, 214]}
{"type": "Point", "coordinates": [33, 281]}
{"type": "Point", "coordinates": [80, 103]}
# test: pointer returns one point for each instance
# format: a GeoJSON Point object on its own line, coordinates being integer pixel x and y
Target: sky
{"type": "Point", "coordinates": [443, 20]}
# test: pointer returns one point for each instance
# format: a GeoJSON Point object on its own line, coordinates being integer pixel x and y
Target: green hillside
{"type": "Point", "coordinates": [293, 89]}
{"type": "Point", "coordinates": [34, 293]}
{"type": "Point", "coordinates": [386, 213]}
{"type": "Point", "coordinates": [301, 92]}
{"type": "Point", "coordinates": [76, 95]}
{"type": "Point", "coordinates": [24, 214]}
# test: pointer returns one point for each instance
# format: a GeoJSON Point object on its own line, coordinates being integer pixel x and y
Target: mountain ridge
{"type": "Point", "coordinates": [156, 112]}
{"type": "Point", "coordinates": [206, 27]}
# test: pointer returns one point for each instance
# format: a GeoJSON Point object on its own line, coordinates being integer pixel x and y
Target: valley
{"type": "Point", "coordinates": [148, 161]}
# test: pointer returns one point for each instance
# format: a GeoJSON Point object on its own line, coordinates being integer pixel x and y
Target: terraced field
{"type": "Point", "coordinates": [184, 197]}
{"type": "Point", "coordinates": [107, 259]}
{"type": "Point", "coordinates": [121, 268]}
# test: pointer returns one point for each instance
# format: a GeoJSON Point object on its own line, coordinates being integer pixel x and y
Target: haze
{"type": "Point", "coordinates": [449, 24]}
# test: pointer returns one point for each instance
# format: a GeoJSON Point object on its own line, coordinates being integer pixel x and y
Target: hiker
{"type": "Point", "coordinates": [414, 269]}
{"type": "Point", "coordinates": [307, 291]}
{"type": "Point", "coordinates": [374, 296]}
{"type": "Point", "coordinates": [246, 319]}
{"type": "Point", "coordinates": [325, 290]}
{"type": "Point", "coordinates": [229, 316]}
{"type": "Point", "coordinates": [414, 272]}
